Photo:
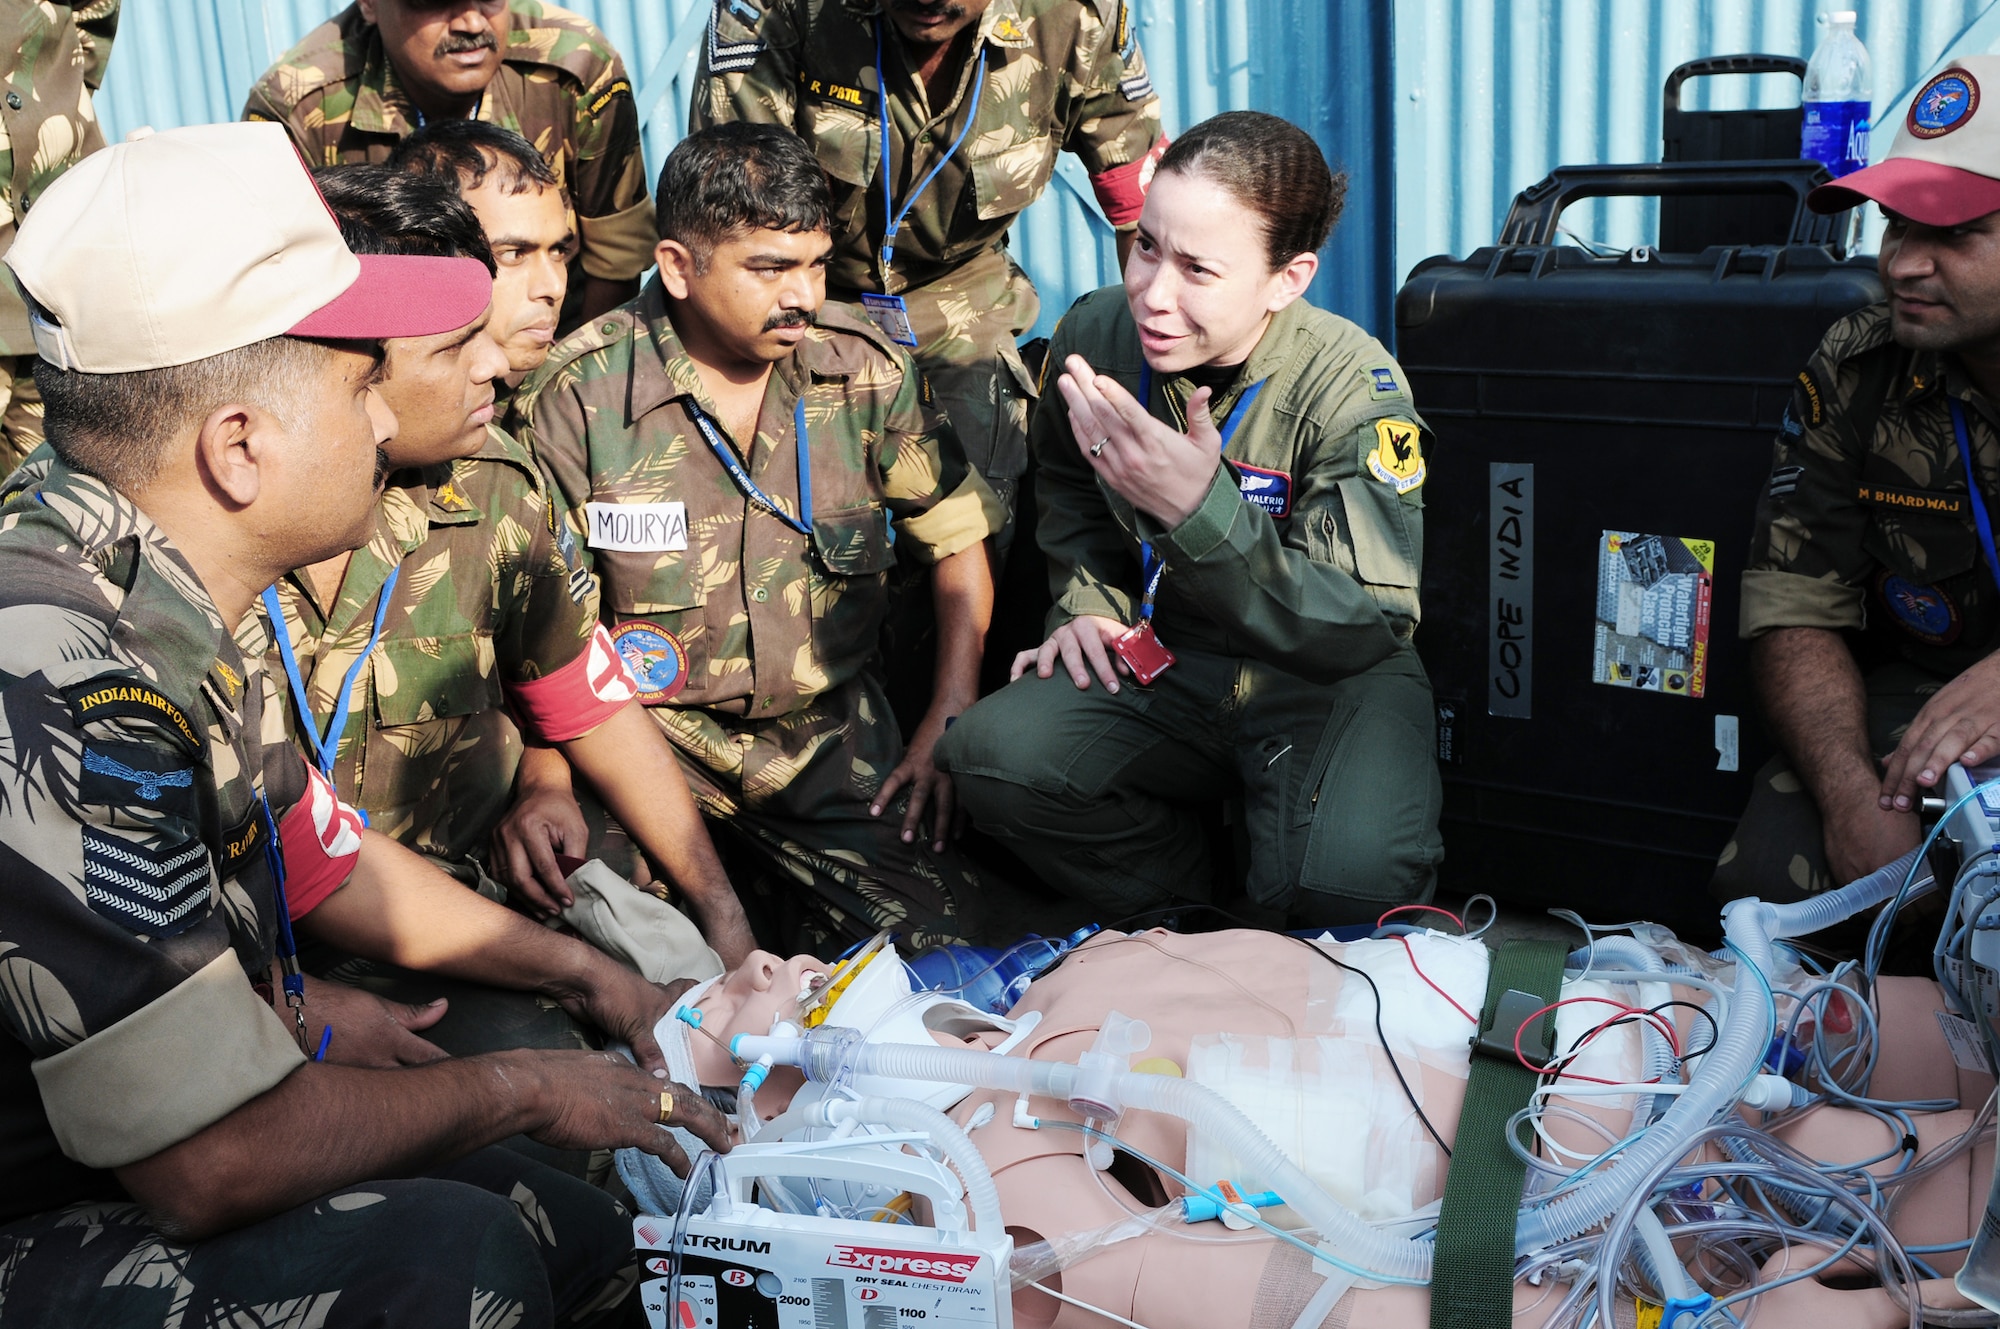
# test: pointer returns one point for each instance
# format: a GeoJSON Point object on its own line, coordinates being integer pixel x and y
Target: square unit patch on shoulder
{"type": "Point", "coordinates": [155, 884]}
{"type": "Point", "coordinates": [1382, 382]}
{"type": "Point", "coordinates": [1398, 458]}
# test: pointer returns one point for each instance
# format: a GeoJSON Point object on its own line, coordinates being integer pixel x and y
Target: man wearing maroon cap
{"type": "Point", "coordinates": [1870, 591]}
{"type": "Point", "coordinates": [173, 1148]}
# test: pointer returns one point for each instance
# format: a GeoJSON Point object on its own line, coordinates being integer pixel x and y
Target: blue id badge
{"type": "Point", "coordinates": [891, 315]}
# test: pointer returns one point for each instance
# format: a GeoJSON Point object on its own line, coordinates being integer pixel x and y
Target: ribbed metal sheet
{"type": "Point", "coordinates": [1490, 94]}
{"type": "Point", "coordinates": [183, 62]}
{"type": "Point", "coordinates": [1438, 110]}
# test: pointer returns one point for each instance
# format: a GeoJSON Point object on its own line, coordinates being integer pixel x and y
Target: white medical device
{"type": "Point", "coordinates": [744, 1266]}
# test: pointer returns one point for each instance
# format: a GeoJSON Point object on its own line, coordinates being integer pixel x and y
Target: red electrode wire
{"type": "Point", "coordinates": [1625, 1012]}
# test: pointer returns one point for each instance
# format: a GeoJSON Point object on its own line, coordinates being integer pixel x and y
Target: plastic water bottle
{"type": "Point", "coordinates": [1838, 86]}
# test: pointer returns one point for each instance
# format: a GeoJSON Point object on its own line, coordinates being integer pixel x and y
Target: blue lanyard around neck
{"type": "Point", "coordinates": [1155, 566]}
{"type": "Point", "coordinates": [325, 746]}
{"type": "Point", "coordinates": [1979, 516]}
{"type": "Point", "coordinates": [893, 218]}
{"type": "Point", "coordinates": [803, 523]}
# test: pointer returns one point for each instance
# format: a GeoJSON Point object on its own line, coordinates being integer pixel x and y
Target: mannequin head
{"type": "Point", "coordinates": [745, 1001]}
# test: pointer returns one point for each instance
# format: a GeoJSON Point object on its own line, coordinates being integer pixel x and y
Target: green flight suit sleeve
{"type": "Point", "coordinates": [748, 72]}
{"type": "Point", "coordinates": [1091, 567]}
{"type": "Point", "coordinates": [1334, 595]}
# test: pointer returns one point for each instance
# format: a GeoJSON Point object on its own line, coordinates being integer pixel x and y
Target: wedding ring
{"type": "Point", "coordinates": [666, 1106]}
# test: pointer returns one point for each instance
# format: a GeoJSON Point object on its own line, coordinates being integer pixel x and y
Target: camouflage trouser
{"type": "Point", "coordinates": [1095, 791]}
{"type": "Point", "coordinates": [795, 792]}
{"type": "Point", "coordinates": [1778, 851]}
{"type": "Point", "coordinates": [968, 326]}
{"type": "Point", "coordinates": [20, 412]}
{"type": "Point", "coordinates": [478, 1019]}
{"type": "Point", "coordinates": [490, 1240]}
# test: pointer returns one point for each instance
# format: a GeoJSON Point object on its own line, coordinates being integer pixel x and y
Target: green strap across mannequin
{"type": "Point", "coordinates": [1472, 1279]}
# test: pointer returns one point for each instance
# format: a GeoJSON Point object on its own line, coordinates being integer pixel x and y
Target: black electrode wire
{"type": "Point", "coordinates": [1415, 1106]}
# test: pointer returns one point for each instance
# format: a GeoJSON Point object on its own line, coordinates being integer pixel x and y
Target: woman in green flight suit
{"type": "Point", "coordinates": [1252, 468]}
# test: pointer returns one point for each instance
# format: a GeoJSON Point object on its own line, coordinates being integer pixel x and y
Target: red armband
{"type": "Point", "coordinates": [578, 697]}
{"type": "Point", "coordinates": [321, 840]}
{"type": "Point", "coordinates": [1121, 191]}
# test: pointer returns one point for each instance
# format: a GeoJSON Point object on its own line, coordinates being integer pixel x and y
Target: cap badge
{"type": "Point", "coordinates": [1945, 103]}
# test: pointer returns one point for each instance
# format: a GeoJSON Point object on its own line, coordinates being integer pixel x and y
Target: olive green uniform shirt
{"type": "Point", "coordinates": [491, 592]}
{"type": "Point", "coordinates": [560, 85]}
{"type": "Point", "coordinates": [1867, 519]}
{"type": "Point", "coordinates": [1307, 551]}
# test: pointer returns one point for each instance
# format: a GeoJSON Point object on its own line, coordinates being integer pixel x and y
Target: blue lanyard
{"type": "Point", "coordinates": [288, 950]}
{"type": "Point", "coordinates": [1155, 566]}
{"type": "Point", "coordinates": [889, 213]}
{"type": "Point", "coordinates": [477, 107]}
{"type": "Point", "coordinates": [803, 523]}
{"type": "Point", "coordinates": [1979, 516]}
{"type": "Point", "coordinates": [325, 746]}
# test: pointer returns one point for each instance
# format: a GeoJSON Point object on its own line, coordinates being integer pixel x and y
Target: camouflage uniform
{"type": "Point", "coordinates": [1865, 528]}
{"type": "Point", "coordinates": [1289, 598]}
{"type": "Point", "coordinates": [491, 594]}
{"type": "Point", "coordinates": [561, 86]}
{"type": "Point", "coordinates": [1061, 75]}
{"type": "Point", "coordinates": [781, 726]}
{"type": "Point", "coordinates": [141, 746]}
{"type": "Point", "coordinates": [60, 51]}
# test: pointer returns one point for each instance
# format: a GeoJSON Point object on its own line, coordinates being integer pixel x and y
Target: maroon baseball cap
{"type": "Point", "coordinates": [1944, 167]}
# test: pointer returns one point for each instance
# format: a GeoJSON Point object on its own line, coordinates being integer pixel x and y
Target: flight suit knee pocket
{"type": "Point", "coordinates": [1368, 808]}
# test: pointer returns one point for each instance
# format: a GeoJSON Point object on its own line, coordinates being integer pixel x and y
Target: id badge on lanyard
{"type": "Point", "coordinates": [891, 314]}
{"type": "Point", "coordinates": [1140, 647]}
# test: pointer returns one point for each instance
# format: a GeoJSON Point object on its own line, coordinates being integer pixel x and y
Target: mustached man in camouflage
{"type": "Point", "coordinates": [739, 457]}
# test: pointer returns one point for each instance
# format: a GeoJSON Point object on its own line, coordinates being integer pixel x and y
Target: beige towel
{"type": "Point", "coordinates": [634, 926]}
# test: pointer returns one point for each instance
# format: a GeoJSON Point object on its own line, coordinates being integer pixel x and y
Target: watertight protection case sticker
{"type": "Point", "coordinates": [1140, 649]}
{"type": "Point", "coordinates": [1653, 595]}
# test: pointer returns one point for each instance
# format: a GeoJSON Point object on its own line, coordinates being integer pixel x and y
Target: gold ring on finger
{"type": "Point", "coordinates": [666, 1106]}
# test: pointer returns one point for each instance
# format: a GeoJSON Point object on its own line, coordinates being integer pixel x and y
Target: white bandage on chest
{"type": "Point", "coordinates": [639, 528]}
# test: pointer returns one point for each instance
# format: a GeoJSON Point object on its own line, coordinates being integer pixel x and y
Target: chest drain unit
{"type": "Point", "coordinates": [743, 1266]}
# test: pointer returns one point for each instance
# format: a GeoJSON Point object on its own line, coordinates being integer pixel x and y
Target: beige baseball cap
{"type": "Point", "coordinates": [187, 243]}
{"type": "Point", "coordinates": [1944, 167]}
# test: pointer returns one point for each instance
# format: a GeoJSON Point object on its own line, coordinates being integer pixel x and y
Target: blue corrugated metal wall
{"type": "Point", "coordinates": [1439, 110]}
{"type": "Point", "coordinates": [1490, 94]}
{"type": "Point", "coordinates": [191, 61]}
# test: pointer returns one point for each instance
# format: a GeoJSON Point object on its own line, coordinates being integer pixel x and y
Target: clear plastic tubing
{"type": "Point", "coordinates": [829, 1052]}
{"type": "Point", "coordinates": [906, 1114]}
{"type": "Point", "coordinates": [1751, 925]}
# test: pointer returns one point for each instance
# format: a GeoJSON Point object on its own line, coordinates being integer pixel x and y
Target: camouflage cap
{"type": "Point", "coordinates": [182, 245]}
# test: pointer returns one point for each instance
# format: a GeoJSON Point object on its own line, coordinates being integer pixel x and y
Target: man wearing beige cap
{"type": "Point", "coordinates": [171, 1153]}
{"type": "Point", "coordinates": [1870, 592]}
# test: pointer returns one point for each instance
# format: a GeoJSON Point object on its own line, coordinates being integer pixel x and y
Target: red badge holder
{"type": "Point", "coordinates": [1139, 647]}
{"type": "Point", "coordinates": [1142, 652]}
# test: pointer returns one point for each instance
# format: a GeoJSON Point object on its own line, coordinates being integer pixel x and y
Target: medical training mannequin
{"type": "Point", "coordinates": [1362, 1140]}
